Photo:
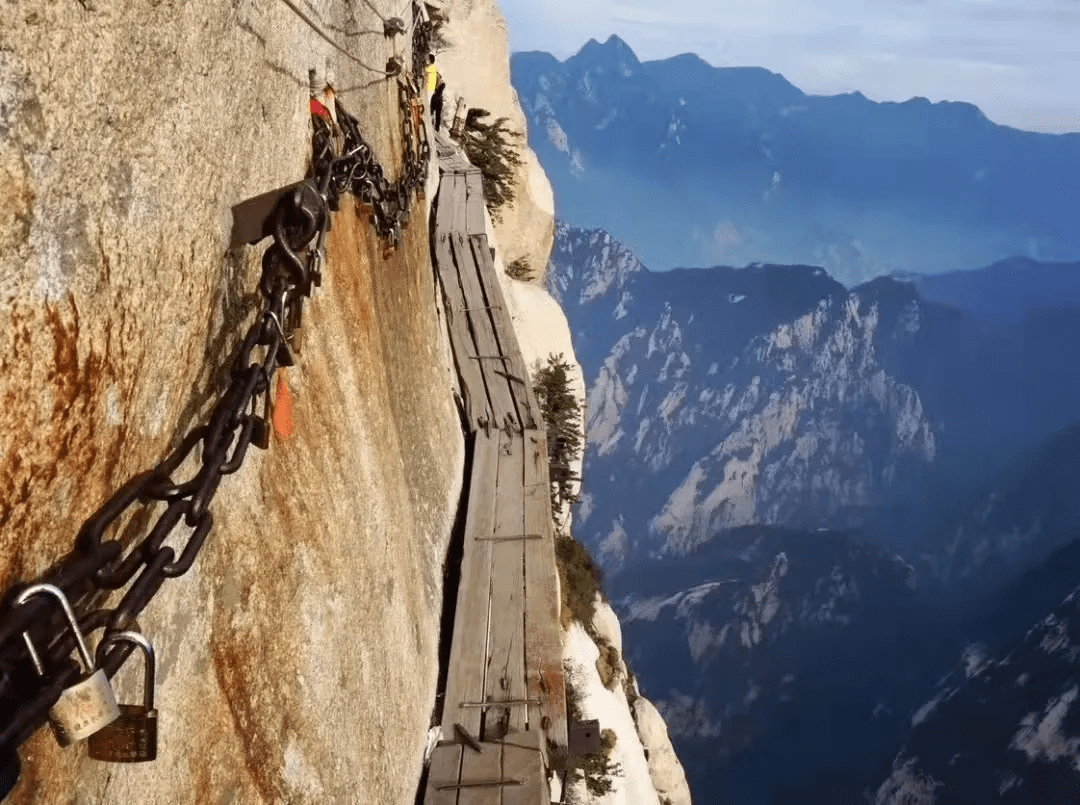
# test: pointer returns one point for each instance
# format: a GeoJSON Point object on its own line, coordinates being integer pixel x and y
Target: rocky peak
{"type": "Point", "coordinates": [613, 55]}
{"type": "Point", "coordinates": [480, 76]}
{"type": "Point", "coordinates": [588, 264]}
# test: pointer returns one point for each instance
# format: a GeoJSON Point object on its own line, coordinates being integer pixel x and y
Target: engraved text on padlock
{"type": "Point", "coordinates": [83, 709]}
{"type": "Point", "coordinates": [132, 738]}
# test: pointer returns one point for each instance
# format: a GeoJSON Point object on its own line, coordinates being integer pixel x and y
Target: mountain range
{"type": "Point", "coordinates": [817, 506]}
{"type": "Point", "coordinates": [771, 394]}
{"type": "Point", "coordinates": [691, 164]}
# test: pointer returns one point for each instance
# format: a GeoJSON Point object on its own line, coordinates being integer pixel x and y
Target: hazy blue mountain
{"type": "Point", "coordinates": [776, 659]}
{"type": "Point", "coordinates": [770, 394]}
{"type": "Point", "coordinates": [1002, 729]}
{"type": "Point", "coordinates": [816, 503]}
{"type": "Point", "coordinates": [1008, 290]}
{"type": "Point", "coordinates": [694, 165]}
{"type": "Point", "coordinates": [1016, 519]}
{"type": "Point", "coordinates": [800, 666]}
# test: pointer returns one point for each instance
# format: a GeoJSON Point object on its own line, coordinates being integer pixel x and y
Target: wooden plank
{"type": "Point", "coordinates": [523, 761]}
{"type": "Point", "coordinates": [525, 402]}
{"type": "Point", "coordinates": [468, 648]}
{"type": "Point", "coordinates": [474, 203]}
{"type": "Point", "coordinates": [444, 203]}
{"type": "Point", "coordinates": [444, 769]}
{"type": "Point", "coordinates": [480, 323]}
{"type": "Point", "coordinates": [484, 766]}
{"type": "Point", "coordinates": [543, 637]}
{"type": "Point", "coordinates": [506, 631]}
{"type": "Point", "coordinates": [457, 222]}
{"type": "Point", "coordinates": [477, 408]}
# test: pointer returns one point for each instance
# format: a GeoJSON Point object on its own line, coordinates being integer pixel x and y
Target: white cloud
{"type": "Point", "coordinates": [1015, 59]}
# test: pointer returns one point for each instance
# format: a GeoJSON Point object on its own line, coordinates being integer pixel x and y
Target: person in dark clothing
{"type": "Point", "coordinates": [437, 104]}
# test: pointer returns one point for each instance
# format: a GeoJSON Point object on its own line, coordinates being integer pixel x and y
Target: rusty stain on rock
{"type": "Point", "coordinates": [285, 671]}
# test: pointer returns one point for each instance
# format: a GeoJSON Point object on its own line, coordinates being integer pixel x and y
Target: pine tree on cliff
{"type": "Point", "coordinates": [562, 419]}
{"type": "Point", "coordinates": [494, 149]}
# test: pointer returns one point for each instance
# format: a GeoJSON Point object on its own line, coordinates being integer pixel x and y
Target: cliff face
{"type": "Point", "coordinates": [648, 769]}
{"type": "Point", "coordinates": [642, 765]}
{"type": "Point", "coordinates": [476, 66]}
{"type": "Point", "coordinates": [297, 661]}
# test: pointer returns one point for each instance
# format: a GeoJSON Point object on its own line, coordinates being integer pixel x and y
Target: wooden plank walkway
{"type": "Point", "coordinates": [504, 715]}
{"type": "Point", "coordinates": [463, 260]}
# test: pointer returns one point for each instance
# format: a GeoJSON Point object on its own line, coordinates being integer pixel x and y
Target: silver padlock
{"type": "Point", "coordinates": [86, 706]}
{"type": "Point", "coordinates": [132, 738]}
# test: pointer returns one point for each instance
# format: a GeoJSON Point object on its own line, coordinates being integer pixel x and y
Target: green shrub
{"type": "Point", "coordinates": [573, 697]}
{"type": "Point", "coordinates": [629, 686]}
{"type": "Point", "coordinates": [561, 413]}
{"type": "Point", "coordinates": [495, 149]}
{"type": "Point", "coordinates": [607, 665]}
{"type": "Point", "coordinates": [581, 580]}
{"type": "Point", "coordinates": [520, 269]}
{"type": "Point", "coordinates": [597, 770]}
{"type": "Point", "coordinates": [438, 41]}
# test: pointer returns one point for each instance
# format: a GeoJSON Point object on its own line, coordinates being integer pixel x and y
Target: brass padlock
{"type": "Point", "coordinates": [132, 738]}
{"type": "Point", "coordinates": [86, 706]}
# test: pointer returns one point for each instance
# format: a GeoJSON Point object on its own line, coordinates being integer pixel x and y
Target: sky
{"type": "Point", "coordinates": [1017, 60]}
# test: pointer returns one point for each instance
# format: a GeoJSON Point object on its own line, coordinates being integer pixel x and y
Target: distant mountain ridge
{"type": "Point", "coordinates": [691, 164]}
{"type": "Point", "coordinates": [779, 480]}
{"type": "Point", "coordinates": [1008, 290]}
{"type": "Point", "coordinates": [1000, 729]}
{"type": "Point", "coordinates": [727, 397]}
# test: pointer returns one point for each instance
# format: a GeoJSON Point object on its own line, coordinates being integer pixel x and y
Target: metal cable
{"type": "Point", "coordinates": [369, 4]}
{"type": "Point", "coordinates": [314, 26]}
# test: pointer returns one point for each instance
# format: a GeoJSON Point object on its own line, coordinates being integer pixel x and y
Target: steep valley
{"type": "Point", "coordinates": [813, 504]}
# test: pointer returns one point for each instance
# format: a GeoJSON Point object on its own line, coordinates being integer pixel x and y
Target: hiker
{"type": "Point", "coordinates": [436, 88]}
{"type": "Point", "coordinates": [437, 104]}
{"type": "Point", "coordinates": [431, 74]}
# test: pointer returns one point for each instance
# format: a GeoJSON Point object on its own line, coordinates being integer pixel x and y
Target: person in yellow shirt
{"type": "Point", "coordinates": [435, 87]}
{"type": "Point", "coordinates": [431, 74]}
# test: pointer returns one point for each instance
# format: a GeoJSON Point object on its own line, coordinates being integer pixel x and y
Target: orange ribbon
{"type": "Point", "coordinates": [282, 418]}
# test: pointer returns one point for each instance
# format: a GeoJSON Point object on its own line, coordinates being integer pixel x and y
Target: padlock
{"type": "Point", "coordinates": [260, 432]}
{"type": "Point", "coordinates": [132, 738]}
{"type": "Point", "coordinates": [295, 320]}
{"type": "Point", "coordinates": [86, 706]}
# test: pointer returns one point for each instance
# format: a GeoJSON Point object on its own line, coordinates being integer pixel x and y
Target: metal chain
{"type": "Point", "coordinates": [363, 175]}
{"type": "Point", "coordinates": [101, 563]}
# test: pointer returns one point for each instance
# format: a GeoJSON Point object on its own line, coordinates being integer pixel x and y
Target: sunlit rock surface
{"type": "Point", "coordinates": [476, 66]}
{"type": "Point", "coordinates": [298, 659]}
{"type": "Point", "coordinates": [648, 771]}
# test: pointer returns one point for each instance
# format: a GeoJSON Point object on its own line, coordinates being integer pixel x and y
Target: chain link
{"type": "Point", "coordinates": [100, 563]}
